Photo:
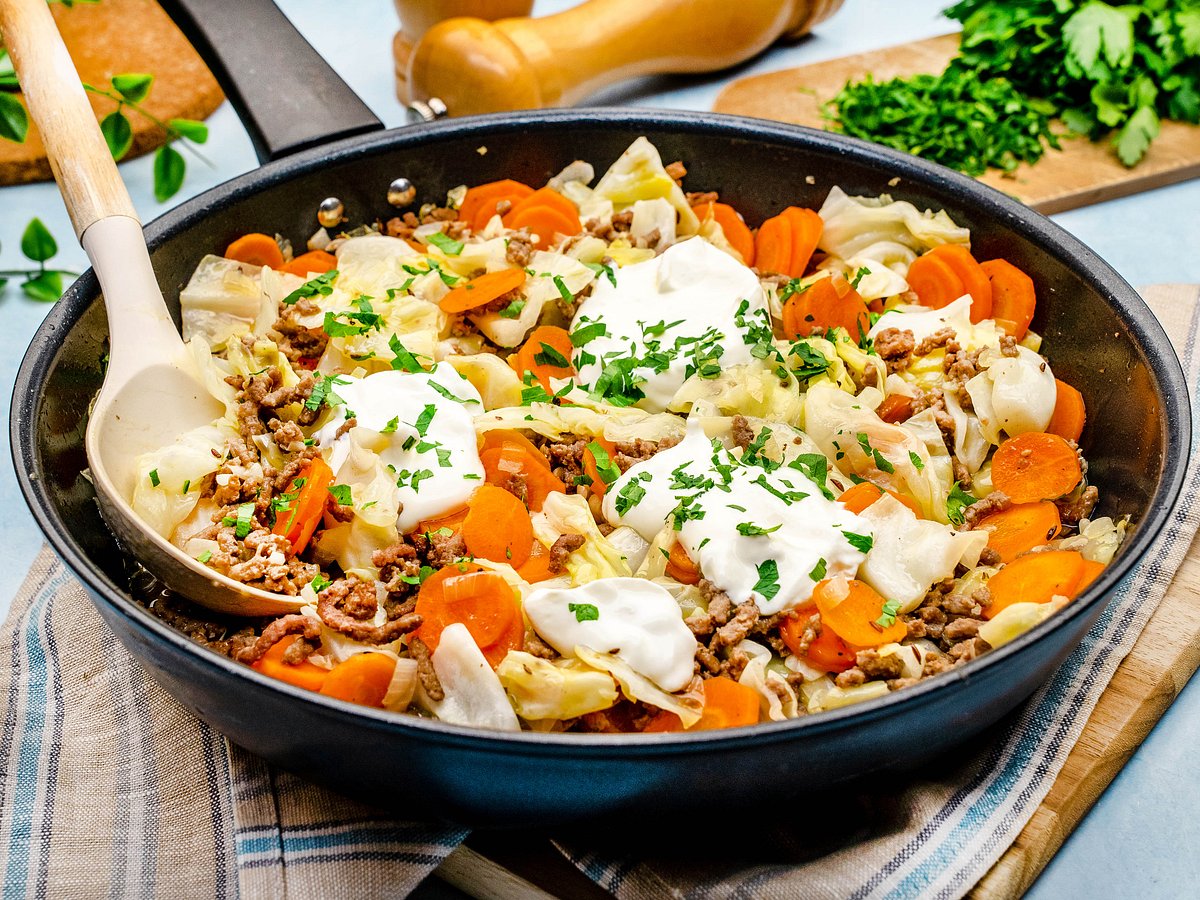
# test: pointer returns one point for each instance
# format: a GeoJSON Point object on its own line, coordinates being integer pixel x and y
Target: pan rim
{"type": "Point", "coordinates": [1150, 338]}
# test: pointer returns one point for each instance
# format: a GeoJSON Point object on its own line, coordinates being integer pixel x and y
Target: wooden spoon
{"type": "Point", "coordinates": [152, 390]}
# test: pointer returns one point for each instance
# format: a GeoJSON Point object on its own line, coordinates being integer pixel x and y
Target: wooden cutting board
{"type": "Point", "coordinates": [111, 38]}
{"type": "Point", "coordinates": [1082, 173]}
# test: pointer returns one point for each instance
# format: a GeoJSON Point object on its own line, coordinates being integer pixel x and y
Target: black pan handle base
{"type": "Point", "coordinates": [286, 95]}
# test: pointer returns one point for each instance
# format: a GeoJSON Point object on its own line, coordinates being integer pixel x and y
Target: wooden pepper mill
{"type": "Point", "coordinates": [474, 66]}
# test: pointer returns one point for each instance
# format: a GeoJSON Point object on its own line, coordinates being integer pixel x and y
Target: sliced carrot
{"type": "Point", "coordinates": [537, 567]}
{"type": "Point", "coordinates": [680, 566]}
{"type": "Point", "coordinates": [773, 245]}
{"type": "Point", "coordinates": [480, 600]}
{"type": "Point", "coordinates": [533, 357]}
{"type": "Point", "coordinates": [735, 230]}
{"type": "Point", "coordinates": [452, 520]}
{"type": "Point", "coordinates": [863, 494]}
{"type": "Point", "coordinates": [302, 675]}
{"type": "Point", "coordinates": [727, 704]}
{"type": "Point", "coordinates": [1021, 527]}
{"type": "Point", "coordinates": [826, 303]}
{"type": "Point", "coordinates": [974, 279]}
{"type": "Point", "coordinates": [830, 653]}
{"type": "Point", "coordinates": [502, 464]}
{"type": "Point", "coordinates": [493, 191]}
{"type": "Point", "coordinates": [1069, 412]}
{"type": "Point", "coordinates": [256, 249]}
{"type": "Point", "coordinates": [1035, 466]}
{"type": "Point", "coordinates": [546, 197]}
{"type": "Point", "coordinates": [807, 229]}
{"type": "Point", "coordinates": [313, 261]}
{"type": "Point", "coordinates": [300, 519]}
{"type": "Point", "coordinates": [895, 408]}
{"type": "Point", "coordinates": [508, 437]}
{"type": "Point", "coordinates": [363, 679]}
{"type": "Point", "coordinates": [497, 526]}
{"type": "Point", "coordinates": [935, 283]}
{"type": "Point", "coordinates": [1091, 571]}
{"type": "Point", "coordinates": [851, 608]}
{"type": "Point", "coordinates": [1014, 299]}
{"type": "Point", "coordinates": [545, 222]}
{"type": "Point", "coordinates": [1035, 578]}
{"type": "Point", "coordinates": [598, 485]}
{"type": "Point", "coordinates": [481, 290]}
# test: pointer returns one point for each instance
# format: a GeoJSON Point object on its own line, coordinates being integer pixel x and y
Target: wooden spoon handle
{"type": "Point", "coordinates": [79, 156]}
{"type": "Point", "coordinates": [522, 63]}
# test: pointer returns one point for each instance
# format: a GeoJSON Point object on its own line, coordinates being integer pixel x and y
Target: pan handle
{"type": "Point", "coordinates": [286, 95]}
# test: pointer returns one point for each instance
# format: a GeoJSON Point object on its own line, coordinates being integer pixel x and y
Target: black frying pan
{"type": "Point", "coordinates": [1099, 336]}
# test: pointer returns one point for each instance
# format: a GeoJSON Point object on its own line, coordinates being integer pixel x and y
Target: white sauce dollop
{"type": "Point", "coordinates": [807, 534]}
{"type": "Point", "coordinates": [636, 620]}
{"type": "Point", "coordinates": [444, 460]}
{"type": "Point", "coordinates": [923, 322]}
{"type": "Point", "coordinates": [692, 293]}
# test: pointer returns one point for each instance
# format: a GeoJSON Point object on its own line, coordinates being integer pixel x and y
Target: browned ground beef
{"type": "Point", "coordinates": [895, 347]}
{"type": "Point", "coordinates": [996, 501]}
{"type": "Point", "coordinates": [562, 548]}
{"type": "Point", "coordinates": [934, 341]}
{"type": "Point", "coordinates": [743, 434]}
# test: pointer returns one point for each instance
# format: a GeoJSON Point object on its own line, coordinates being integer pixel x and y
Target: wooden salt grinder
{"type": "Point", "coordinates": [476, 66]}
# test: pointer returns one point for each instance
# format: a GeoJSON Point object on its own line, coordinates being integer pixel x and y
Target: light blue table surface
{"type": "Point", "coordinates": [1141, 838]}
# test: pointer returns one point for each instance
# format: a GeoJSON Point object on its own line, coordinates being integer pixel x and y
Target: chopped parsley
{"type": "Point", "coordinates": [425, 418]}
{"type": "Point", "coordinates": [513, 310]}
{"type": "Point", "coordinates": [419, 578]}
{"type": "Point", "coordinates": [204, 557]}
{"type": "Point", "coordinates": [860, 542]}
{"type": "Point", "coordinates": [341, 493]}
{"type": "Point", "coordinates": [915, 460]}
{"type": "Point", "coordinates": [533, 392]}
{"type": "Point", "coordinates": [404, 361]}
{"type": "Point", "coordinates": [349, 323]}
{"type": "Point", "coordinates": [606, 468]}
{"type": "Point", "coordinates": [322, 392]}
{"type": "Point", "coordinates": [788, 497]}
{"type": "Point", "coordinates": [811, 362]}
{"type": "Point", "coordinates": [862, 273]}
{"type": "Point", "coordinates": [768, 579]}
{"type": "Point", "coordinates": [319, 583]}
{"type": "Point", "coordinates": [584, 612]}
{"type": "Point", "coordinates": [154, 478]}
{"type": "Point", "coordinates": [887, 618]}
{"type": "Point", "coordinates": [629, 496]}
{"type": "Point", "coordinates": [245, 520]}
{"type": "Point", "coordinates": [551, 357]}
{"type": "Point", "coordinates": [563, 290]}
{"type": "Point", "coordinates": [449, 396]}
{"type": "Point", "coordinates": [957, 503]}
{"type": "Point", "coordinates": [881, 462]}
{"type": "Point", "coordinates": [445, 243]}
{"type": "Point", "coordinates": [321, 286]}
{"type": "Point", "coordinates": [412, 479]}
{"type": "Point", "coordinates": [187, 485]}
{"type": "Point", "coordinates": [815, 467]}
{"type": "Point", "coordinates": [792, 289]}
{"type": "Point", "coordinates": [749, 529]}
{"type": "Point", "coordinates": [599, 268]}
{"type": "Point", "coordinates": [590, 332]}
{"type": "Point", "coordinates": [392, 424]}
{"type": "Point", "coordinates": [818, 571]}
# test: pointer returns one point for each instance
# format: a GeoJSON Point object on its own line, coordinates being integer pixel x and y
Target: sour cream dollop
{"type": "Point", "coordinates": [636, 620]}
{"type": "Point", "coordinates": [430, 436]}
{"type": "Point", "coordinates": [766, 535]}
{"type": "Point", "coordinates": [691, 306]}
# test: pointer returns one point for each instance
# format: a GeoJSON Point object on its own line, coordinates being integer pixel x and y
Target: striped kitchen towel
{"type": "Point", "coordinates": [109, 788]}
{"type": "Point", "coordinates": [936, 836]}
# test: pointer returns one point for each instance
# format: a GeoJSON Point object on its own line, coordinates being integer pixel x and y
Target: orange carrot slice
{"type": "Point", "coordinates": [974, 279]}
{"type": "Point", "coordinates": [481, 290]}
{"type": "Point", "coordinates": [1035, 466]}
{"type": "Point", "coordinates": [895, 408]}
{"type": "Point", "coordinates": [826, 303]}
{"type": "Point", "coordinates": [598, 485]}
{"type": "Point", "coordinates": [494, 191]}
{"type": "Point", "coordinates": [851, 608]}
{"type": "Point", "coordinates": [1014, 299]}
{"type": "Point", "coordinates": [363, 679]}
{"type": "Point", "coordinates": [256, 249]}
{"type": "Point", "coordinates": [1021, 527]}
{"type": "Point", "coordinates": [302, 675]}
{"type": "Point", "coordinates": [807, 229]}
{"type": "Point", "coordinates": [313, 261]}
{"type": "Point", "coordinates": [508, 437]}
{"type": "Point", "coordinates": [545, 223]}
{"type": "Point", "coordinates": [1035, 578]}
{"type": "Point", "coordinates": [542, 362]}
{"type": "Point", "coordinates": [863, 494]}
{"type": "Point", "coordinates": [497, 526]}
{"type": "Point", "coordinates": [480, 600]}
{"type": "Point", "coordinates": [680, 566]}
{"type": "Point", "coordinates": [300, 519]}
{"type": "Point", "coordinates": [1069, 412]}
{"type": "Point", "coordinates": [773, 245]}
{"type": "Point", "coordinates": [732, 226]}
{"type": "Point", "coordinates": [502, 464]}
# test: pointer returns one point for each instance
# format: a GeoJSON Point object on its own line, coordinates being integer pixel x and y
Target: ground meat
{"type": "Point", "coordinates": [517, 484]}
{"type": "Point", "coordinates": [996, 501]}
{"type": "Point", "coordinates": [735, 664]}
{"type": "Point", "coordinates": [561, 549]}
{"type": "Point", "coordinates": [895, 347]}
{"type": "Point", "coordinates": [630, 453]}
{"type": "Point", "coordinates": [305, 626]}
{"type": "Point", "coordinates": [566, 460]}
{"type": "Point", "coordinates": [519, 249]}
{"type": "Point", "coordinates": [347, 606]}
{"type": "Point", "coordinates": [425, 671]}
{"type": "Point", "coordinates": [961, 629]}
{"type": "Point", "coordinates": [716, 601]}
{"type": "Point", "coordinates": [852, 677]}
{"type": "Point", "coordinates": [967, 650]}
{"type": "Point", "coordinates": [535, 646]}
{"type": "Point", "coordinates": [743, 434]}
{"type": "Point", "coordinates": [875, 666]}
{"type": "Point", "coordinates": [936, 664]}
{"type": "Point", "coordinates": [708, 660]}
{"type": "Point", "coordinates": [945, 422]}
{"type": "Point", "coordinates": [676, 170]}
{"type": "Point", "coordinates": [695, 198]}
{"type": "Point", "coordinates": [284, 478]}
{"type": "Point", "coordinates": [650, 240]}
{"type": "Point", "coordinates": [397, 562]}
{"type": "Point", "coordinates": [1074, 507]}
{"type": "Point", "coordinates": [700, 623]}
{"type": "Point", "coordinates": [1008, 345]}
{"type": "Point", "coordinates": [288, 436]}
{"type": "Point", "coordinates": [961, 474]}
{"type": "Point", "coordinates": [617, 226]}
{"type": "Point", "coordinates": [270, 566]}
{"type": "Point", "coordinates": [345, 427]}
{"type": "Point", "coordinates": [960, 365]}
{"type": "Point", "coordinates": [812, 630]}
{"type": "Point", "coordinates": [439, 550]}
{"type": "Point", "coordinates": [300, 649]}
{"type": "Point", "coordinates": [989, 557]}
{"type": "Point", "coordinates": [734, 631]}
{"type": "Point", "coordinates": [932, 342]}
{"type": "Point", "coordinates": [296, 341]}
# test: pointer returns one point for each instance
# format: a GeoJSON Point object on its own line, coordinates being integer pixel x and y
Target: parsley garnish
{"type": "Point", "coordinates": [445, 243]}
{"type": "Point", "coordinates": [749, 529]}
{"type": "Point", "coordinates": [811, 361]}
{"type": "Point", "coordinates": [881, 462]}
{"type": "Point", "coordinates": [815, 467]}
{"type": "Point", "coordinates": [449, 396]}
{"type": "Point", "coordinates": [563, 290]}
{"type": "Point", "coordinates": [628, 497]}
{"type": "Point", "coordinates": [419, 578]}
{"type": "Point", "coordinates": [513, 310]}
{"type": "Point", "coordinates": [533, 392]}
{"type": "Point", "coordinates": [604, 465]}
{"type": "Point", "coordinates": [862, 273]}
{"type": "Point", "coordinates": [342, 494]}
{"type": "Point", "coordinates": [581, 336]}
{"type": "Point", "coordinates": [768, 579]}
{"type": "Point", "coordinates": [204, 557]}
{"type": "Point", "coordinates": [584, 612]}
{"type": "Point", "coordinates": [818, 571]}
{"type": "Point", "coordinates": [187, 485]}
{"type": "Point", "coordinates": [551, 357]}
{"type": "Point", "coordinates": [154, 482]}
{"type": "Point", "coordinates": [957, 502]}
{"type": "Point", "coordinates": [860, 542]}
{"type": "Point", "coordinates": [322, 392]}
{"type": "Point", "coordinates": [245, 520]}
{"type": "Point", "coordinates": [391, 426]}
{"type": "Point", "coordinates": [404, 361]}
{"type": "Point", "coordinates": [426, 416]}
{"type": "Point", "coordinates": [915, 460]}
{"type": "Point", "coordinates": [319, 583]}
{"type": "Point", "coordinates": [606, 269]}
{"type": "Point", "coordinates": [321, 286]}
{"type": "Point", "coordinates": [887, 618]}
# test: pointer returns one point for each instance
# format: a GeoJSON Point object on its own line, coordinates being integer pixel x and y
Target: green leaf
{"type": "Point", "coordinates": [1188, 22]}
{"type": "Point", "coordinates": [584, 612]}
{"type": "Point", "coordinates": [1098, 29]}
{"type": "Point", "coordinates": [957, 501]}
{"type": "Point", "coordinates": [1111, 102]}
{"type": "Point", "coordinates": [133, 86]}
{"type": "Point", "coordinates": [37, 243]}
{"type": "Point", "coordinates": [342, 493]}
{"type": "Point", "coordinates": [768, 579]}
{"type": "Point", "coordinates": [1134, 139]}
{"type": "Point", "coordinates": [118, 133]}
{"type": "Point", "coordinates": [169, 169]}
{"type": "Point", "coordinates": [14, 122]}
{"type": "Point", "coordinates": [446, 244]}
{"type": "Point", "coordinates": [45, 287]}
{"type": "Point", "coordinates": [3, 282]}
{"type": "Point", "coordinates": [196, 132]}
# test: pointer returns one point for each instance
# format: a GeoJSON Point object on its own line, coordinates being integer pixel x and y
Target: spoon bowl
{"type": "Point", "coordinates": [153, 391]}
